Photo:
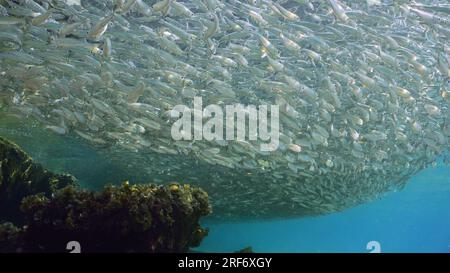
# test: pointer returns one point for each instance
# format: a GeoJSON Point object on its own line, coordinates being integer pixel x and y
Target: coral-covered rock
{"type": "Point", "coordinates": [130, 218]}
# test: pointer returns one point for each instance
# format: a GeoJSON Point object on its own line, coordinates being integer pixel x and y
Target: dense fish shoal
{"type": "Point", "coordinates": [362, 88]}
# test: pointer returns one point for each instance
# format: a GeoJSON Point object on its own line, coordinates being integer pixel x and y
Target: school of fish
{"type": "Point", "coordinates": [363, 89]}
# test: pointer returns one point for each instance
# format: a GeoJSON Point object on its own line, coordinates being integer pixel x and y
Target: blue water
{"type": "Point", "coordinates": [415, 219]}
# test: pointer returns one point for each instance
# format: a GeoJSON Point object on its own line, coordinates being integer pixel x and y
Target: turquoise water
{"type": "Point", "coordinates": [415, 219]}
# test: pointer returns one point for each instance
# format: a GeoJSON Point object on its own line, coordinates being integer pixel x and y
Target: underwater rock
{"type": "Point", "coordinates": [20, 177]}
{"type": "Point", "coordinates": [129, 218]}
{"type": "Point", "coordinates": [247, 249]}
{"type": "Point", "coordinates": [10, 238]}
